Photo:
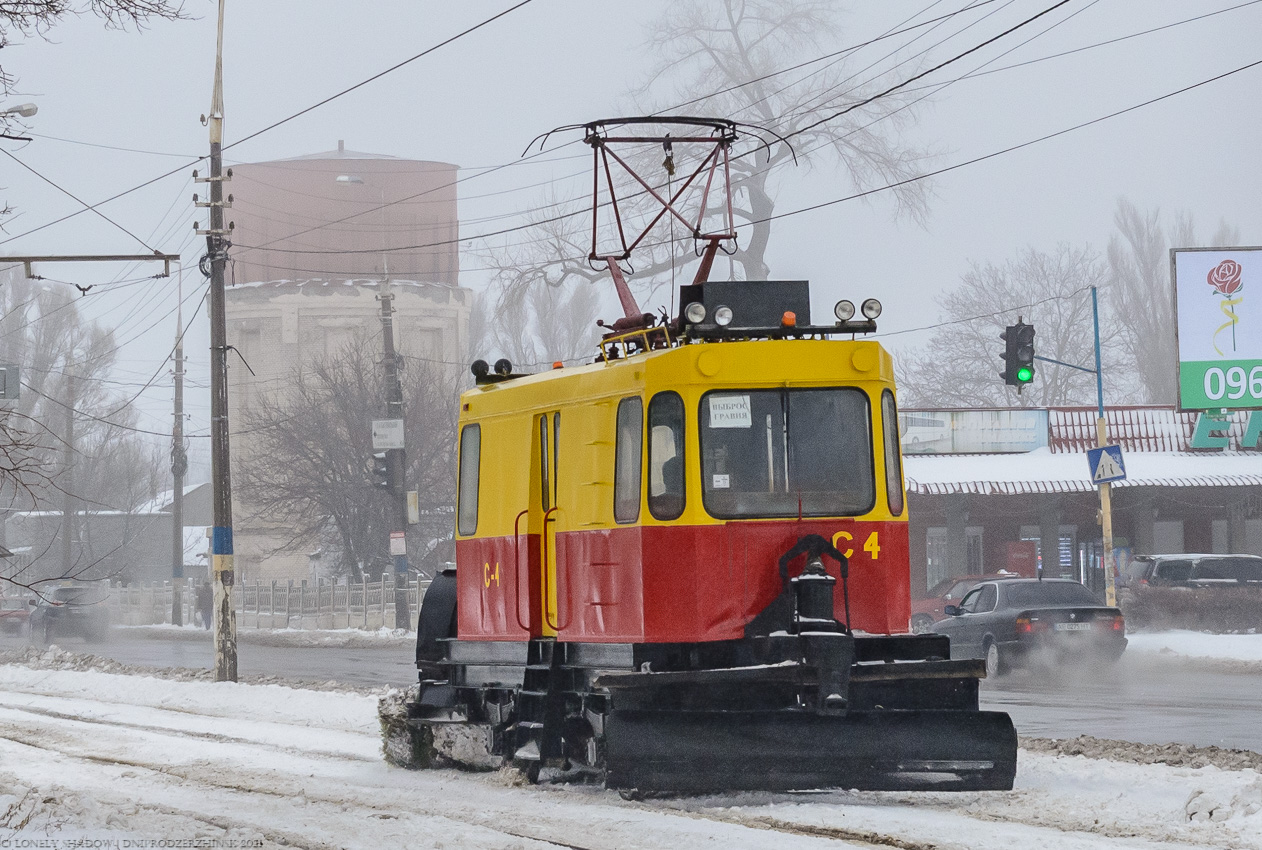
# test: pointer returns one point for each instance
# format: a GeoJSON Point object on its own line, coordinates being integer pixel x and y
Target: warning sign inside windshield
{"type": "Point", "coordinates": [730, 411]}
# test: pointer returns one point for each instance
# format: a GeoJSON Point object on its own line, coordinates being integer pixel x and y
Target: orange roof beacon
{"type": "Point", "coordinates": [683, 567]}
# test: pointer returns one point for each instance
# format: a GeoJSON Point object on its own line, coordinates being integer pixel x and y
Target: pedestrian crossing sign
{"type": "Point", "coordinates": [1106, 464]}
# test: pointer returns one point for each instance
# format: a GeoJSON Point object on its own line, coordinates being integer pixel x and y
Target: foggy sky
{"type": "Point", "coordinates": [479, 101]}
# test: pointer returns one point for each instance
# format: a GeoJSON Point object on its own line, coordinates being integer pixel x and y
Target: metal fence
{"type": "Point", "coordinates": [275, 605]}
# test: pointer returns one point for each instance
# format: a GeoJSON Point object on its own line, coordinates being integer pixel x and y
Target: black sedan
{"type": "Point", "coordinates": [1014, 622]}
{"type": "Point", "coordinates": [71, 610]}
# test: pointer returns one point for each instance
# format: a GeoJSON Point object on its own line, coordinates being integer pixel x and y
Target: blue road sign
{"type": "Point", "coordinates": [1106, 464]}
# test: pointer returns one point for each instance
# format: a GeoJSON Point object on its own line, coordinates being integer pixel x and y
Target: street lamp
{"type": "Point", "coordinates": [26, 110]}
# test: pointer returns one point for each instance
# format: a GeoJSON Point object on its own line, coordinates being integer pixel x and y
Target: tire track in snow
{"type": "Point", "coordinates": [216, 737]}
{"type": "Point", "coordinates": [236, 781]}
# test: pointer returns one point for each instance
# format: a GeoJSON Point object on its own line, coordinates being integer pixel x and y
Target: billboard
{"type": "Point", "coordinates": [1218, 327]}
{"type": "Point", "coordinates": [945, 432]}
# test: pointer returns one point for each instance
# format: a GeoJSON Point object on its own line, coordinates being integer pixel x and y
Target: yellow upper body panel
{"type": "Point", "coordinates": [587, 397]}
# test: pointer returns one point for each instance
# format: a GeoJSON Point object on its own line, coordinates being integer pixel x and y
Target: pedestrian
{"type": "Point", "coordinates": [206, 603]}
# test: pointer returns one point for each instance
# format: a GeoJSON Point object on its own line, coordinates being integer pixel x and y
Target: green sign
{"type": "Point", "coordinates": [1208, 384]}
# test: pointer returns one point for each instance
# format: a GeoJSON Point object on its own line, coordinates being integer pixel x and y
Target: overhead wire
{"type": "Point", "coordinates": [281, 122]}
{"type": "Point", "coordinates": [76, 198]}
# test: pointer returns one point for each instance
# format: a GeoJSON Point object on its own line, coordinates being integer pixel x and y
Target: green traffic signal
{"type": "Point", "coordinates": [1025, 375]}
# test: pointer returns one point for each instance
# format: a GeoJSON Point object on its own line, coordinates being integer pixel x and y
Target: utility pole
{"type": "Point", "coordinates": [69, 509]}
{"type": "Point", "coordinates": [222, 574]}
{"type": "Point", "coordinates": [395, 460]}
{"type": "Point", "coordinates": [1102, 439]}
{"type": "Point", "coordinates": [179, 465]}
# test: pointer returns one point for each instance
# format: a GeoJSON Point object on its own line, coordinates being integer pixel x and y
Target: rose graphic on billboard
{"type": "Point", "coordinates": [1226, 278]}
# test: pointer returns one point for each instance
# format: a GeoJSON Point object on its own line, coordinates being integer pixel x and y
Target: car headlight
{"type": "Point", "coordinates": [723, 315]}
{"type": "Point", "coordinates": [843, 310]}
{"type": "Point", "coordinates": [695, 312]}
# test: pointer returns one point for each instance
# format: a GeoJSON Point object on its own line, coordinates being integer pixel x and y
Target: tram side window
{"type": "Point", "coordinates": [666, 456]}
{"type": "Point", "coordinates": [628, 458]}
{"type": "Point", "coordinates": [893, 458]}
{"type": "Point", "coordinates": [470, 459]}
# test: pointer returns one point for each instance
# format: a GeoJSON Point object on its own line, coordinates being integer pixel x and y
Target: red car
{"type": "Point", "coordinates": [927, 611]}
{"type": "Point", "coordinates": [14, 613]}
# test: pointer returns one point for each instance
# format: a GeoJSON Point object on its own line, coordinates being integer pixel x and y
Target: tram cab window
{"type": "Point", "coordinates": [666, 456]}
{"type": "Point", "coordinates": [467, 498]}
{"type": "Point", "coordinates": [893, 458]}
{"type": "Point", "coordinates": [628, 459]}
{"type": "Point", "coordinates": [785, 453]}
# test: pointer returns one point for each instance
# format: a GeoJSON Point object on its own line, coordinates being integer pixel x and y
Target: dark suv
{"type": "Point", "coordinates": [1193, 571]}
{"type": "Point", "coordinates": [72, 610]}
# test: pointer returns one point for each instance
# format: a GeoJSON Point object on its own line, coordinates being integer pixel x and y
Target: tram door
{"type": "Point", "coordinates": [544, 514]}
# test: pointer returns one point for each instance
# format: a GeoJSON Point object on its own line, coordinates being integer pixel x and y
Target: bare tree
{"type": "Point", "coordinates": [716, 56]}
{"type": "Point", "coordinates": [536, 325]}
{"type": "Point", "coordinates": [65, 365]}
{"type": "Point", "coordinates": [1140, 292]}
{"type": "Point", "coordinates": [960, 365]}
{"type": "Point", "coordinates": [310, 461]}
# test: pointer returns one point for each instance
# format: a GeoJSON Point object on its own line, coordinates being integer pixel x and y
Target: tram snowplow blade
{"type": "Point", "coordinates": [700, 752]}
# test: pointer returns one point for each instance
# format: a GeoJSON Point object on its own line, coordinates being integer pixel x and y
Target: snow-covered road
{"type": "Point", "coordinates": [107, 756]}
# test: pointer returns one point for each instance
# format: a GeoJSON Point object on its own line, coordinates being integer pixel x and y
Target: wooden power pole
{"type": "Point", "coordinates": [222, 572]}
{"type": "Point", "coordinates": [396, 464]}
{"type": "Point", "coordinates": [179, 465]}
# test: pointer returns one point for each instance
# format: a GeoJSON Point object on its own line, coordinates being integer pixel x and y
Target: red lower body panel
{"type": "Point", "coordinates": [672, 584]}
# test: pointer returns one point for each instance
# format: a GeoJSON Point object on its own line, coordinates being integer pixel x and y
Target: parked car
{"type": "Point", "coordinates": [1192, 571]}
{"type": "Point", "coordinates": [925, 612]}
{"type": "Point", "coordinates": [71, 610]}
{"type": "Point", "coordinates": [14, 613]}
{"type": "Point", "coordinates": [1013, 622]}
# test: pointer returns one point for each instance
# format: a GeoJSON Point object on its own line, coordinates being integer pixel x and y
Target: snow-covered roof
{"type": "Point", "coordinates": [162, 501]}
{"type": "Point", "coordinates": [1047, 471]}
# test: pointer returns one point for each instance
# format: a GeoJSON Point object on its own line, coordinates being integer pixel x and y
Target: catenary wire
{"type": "Point", "coordinates": [274, 125]}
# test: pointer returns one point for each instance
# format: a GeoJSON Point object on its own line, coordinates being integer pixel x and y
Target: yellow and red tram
{"type": "Point", "coordinates": [684, 566]}
{"type": "Point", "coordinates": [690, 557]}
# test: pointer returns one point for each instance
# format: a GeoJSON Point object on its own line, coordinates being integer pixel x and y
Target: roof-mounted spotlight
{"type": "Point", "coordinates": [723, 315]}
{"type": "Point", "coordinates": [503, 367]}
{"type": "Point", "coordinates": [871, 308]}
{"type": "Point", "coordinates": [843, 310]}
{"type": "Point", "coordinates": [695, 312]}
{"type": "Point", "coordinates": [480, 369]}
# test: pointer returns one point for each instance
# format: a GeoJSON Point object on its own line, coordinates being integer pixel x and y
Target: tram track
{"type": "Point", "coordinates": [226, 795]}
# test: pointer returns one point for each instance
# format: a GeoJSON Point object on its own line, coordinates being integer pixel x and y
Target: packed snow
{"type": "Point", "coordinates": [1199, 645]}
{"type": "Point", "coordinates": [129, 760]}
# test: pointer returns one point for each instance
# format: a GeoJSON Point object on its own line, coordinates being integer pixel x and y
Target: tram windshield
{"type": "Point", "coordinates": [782, 453]}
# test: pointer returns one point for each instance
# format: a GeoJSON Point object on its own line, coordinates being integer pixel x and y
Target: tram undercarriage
{"type": "Point", "coordinates": [798, 703]}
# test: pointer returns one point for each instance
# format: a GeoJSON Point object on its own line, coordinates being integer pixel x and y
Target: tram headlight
{"type": "Point", "coordinates": [695, 312]}
{"type": "Point", "coordinates": [723, 315]}
{"type": "Point", "coordinates": [843, 310]}
{"type": "Point", "coordinates": [871, 308]}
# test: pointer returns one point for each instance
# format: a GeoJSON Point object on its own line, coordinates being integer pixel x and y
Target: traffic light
{"type": "Point", "coordinates": [381, 471]}
{"type": "Point", "coordinates": [1018, 355]}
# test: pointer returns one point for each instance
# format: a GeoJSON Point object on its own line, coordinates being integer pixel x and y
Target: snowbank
{"type": "Point", "coordinates": [314, 638]}
{"type": "Point", "coordinates": [1246, 649]}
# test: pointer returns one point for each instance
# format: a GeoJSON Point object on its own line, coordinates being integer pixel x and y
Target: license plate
{"type": "Point", "coordinates": [1072, 627]}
